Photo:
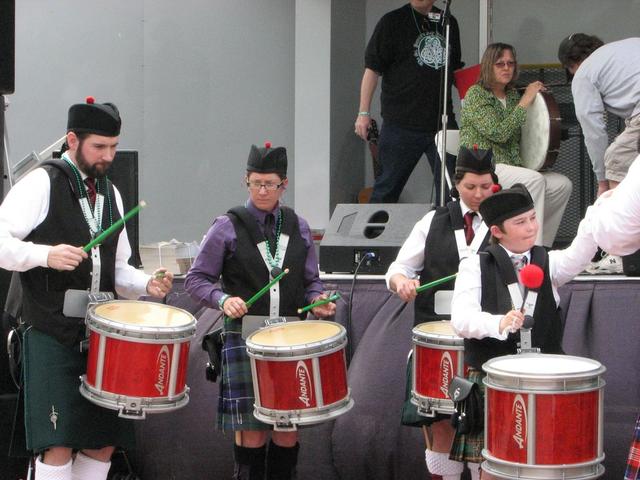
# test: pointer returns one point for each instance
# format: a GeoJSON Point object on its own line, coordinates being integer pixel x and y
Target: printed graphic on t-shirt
{"type": "Point", "coordinates": [429, 50]}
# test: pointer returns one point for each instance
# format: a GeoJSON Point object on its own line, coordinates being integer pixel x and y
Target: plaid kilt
{"type": "Point", "coordinates": [410, 416]}
{"type": "Point", "coordinates": [633, 463]}
{"type": "Point", "coordinates": [469, 447]}
{"type": "Point", "coordinates": [235, 405]}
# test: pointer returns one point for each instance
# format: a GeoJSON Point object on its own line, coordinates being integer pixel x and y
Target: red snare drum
{"type": "Point", "coordinates": [138, 354]}
{"type": "Point", "coordinates": [299, 373]}
{"type": "Point", "coordinates": [438, 355]}
{"type": "Point", "coordinates": [543, 417]}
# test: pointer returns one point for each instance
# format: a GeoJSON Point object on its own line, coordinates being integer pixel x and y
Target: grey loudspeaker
{"type": "Point", "coordinates": [356, 229]}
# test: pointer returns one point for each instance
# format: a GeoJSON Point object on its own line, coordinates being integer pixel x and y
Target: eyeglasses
{"type": "Point", "coordinates": [510, 64]}
{"type": "Point", "coordinates": [269, 187]}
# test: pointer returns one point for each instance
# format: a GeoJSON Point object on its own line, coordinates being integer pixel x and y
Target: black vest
{"type": "Point", "coordinates": [245, 273]}
{"type": "Point", "coordinates": [44, 288]}
{"type": "Point", "coordinates": [441, 259]}
{"type": "Point", "coordinates": [546, 333]}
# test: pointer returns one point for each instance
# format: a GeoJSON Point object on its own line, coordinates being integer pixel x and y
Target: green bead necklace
{"type": "Point", "coordinates": [274, 261]}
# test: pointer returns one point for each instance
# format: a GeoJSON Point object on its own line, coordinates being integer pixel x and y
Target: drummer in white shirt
{"type": "Point", "coordinates": [433, 250]}
{"type": "Point", "coordinates": [486, 311]}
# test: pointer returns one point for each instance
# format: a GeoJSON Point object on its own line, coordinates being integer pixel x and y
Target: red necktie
{"type": "Point", "coordinates": [91, 189]}
{"type": "Point", "coordinates": [468, 226]}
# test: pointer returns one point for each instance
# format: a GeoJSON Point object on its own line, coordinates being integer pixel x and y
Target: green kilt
{"type": "Point", "coordinates": [469, 447]}
{"type": "Point", "coordinates": [51, 392]}
{"type": "Point", "coordinates": [410, 416]}
{"type": "Point", "coordinates": [235, 405]}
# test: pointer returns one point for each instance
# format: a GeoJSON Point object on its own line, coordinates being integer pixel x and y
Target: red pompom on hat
{"type": "Point", "coordinates": [90, 100]}
{"type": "Point", "coordinates": [267, 144]}
{"type": "Point", "coordinates": [496, 187]}
{"type": "Point", "coordinates": [531, 276]}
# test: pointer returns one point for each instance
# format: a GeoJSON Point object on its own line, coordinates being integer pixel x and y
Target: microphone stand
{"type": "Point", "coordinates": [446, 16]}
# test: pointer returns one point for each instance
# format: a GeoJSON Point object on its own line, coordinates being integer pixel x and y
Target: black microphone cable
{"type": "Point", "coordinates": [367, 256]}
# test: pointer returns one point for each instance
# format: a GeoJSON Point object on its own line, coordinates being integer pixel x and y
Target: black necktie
{"type": "Point", "coordinates": [269, 234]}
{"type": "Point", "coordinates": [91, 189]}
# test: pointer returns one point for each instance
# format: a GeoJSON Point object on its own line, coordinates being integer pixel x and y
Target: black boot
{"type": "Point", "coordinates": [249, 463]}
{"type": "Point", "coordinates": [281, 462]}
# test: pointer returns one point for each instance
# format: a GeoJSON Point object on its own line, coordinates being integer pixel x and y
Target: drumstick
{"type": "Point", "coordinates": [324, 301]}
{"type": "Point", "coordinates": [100, 238]}
{"type": "Point", "coordinates": [264, 289]}
{"type": "Point", "coordinates": [429, 285]}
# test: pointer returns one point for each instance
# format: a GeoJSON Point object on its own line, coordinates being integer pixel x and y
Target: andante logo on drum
{"type": "Point", "coordinates": [162, 362]}
{"type": "Point", "coordinates": [519, 411]}
{"type": "Point", "coordinates": [304, 383]}
{"type": "Point", "coordinates": [446, 372]}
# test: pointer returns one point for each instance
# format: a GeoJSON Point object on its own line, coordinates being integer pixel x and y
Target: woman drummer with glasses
{"type": "Point", "coordinates": [242, 251]}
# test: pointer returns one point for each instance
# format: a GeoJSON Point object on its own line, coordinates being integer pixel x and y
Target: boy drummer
{"type": "Point", "coordinates": [487, 296]}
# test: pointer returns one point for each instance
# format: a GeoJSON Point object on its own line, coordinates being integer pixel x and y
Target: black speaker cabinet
{"type": "Point", "coordinates": [631, 264]}
{"type": "Point", "coordinates": [356, 229]}
{"type": "Point", "coordinates": [124, 175]}
{"type": "Point", "coordinates": [7, 46]}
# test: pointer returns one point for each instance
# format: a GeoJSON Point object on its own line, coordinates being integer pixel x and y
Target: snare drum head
{"type": "Point", "coordinates": [295, 333]}
{"type": "Point", "coordinates": [143, 314]}
{"type": "Point", "coordinates": [542, 365]}
{"type": "Point", "coordinates": [534, 139]}
{"type": "Point", "coordinates": [435, 328]}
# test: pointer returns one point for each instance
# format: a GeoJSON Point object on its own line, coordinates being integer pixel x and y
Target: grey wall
{"type": "Point", "coordinates": [536, 28]}
{"type": "Point", "coordinates": [348, 28]}
{"type": "Point", "coordinates": [196, 81]}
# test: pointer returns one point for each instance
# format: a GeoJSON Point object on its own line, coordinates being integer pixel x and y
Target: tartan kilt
{"type": "Point", "coordinates": [51, 391]}
{"type": "Point", "coordinates": [633, 463]}
{"type": "Point", "coordinates": [410, 416]}
{"type": "Point", "coordinates": [469, 447]}
{"type": "Point", "coordinates": [235, 405]}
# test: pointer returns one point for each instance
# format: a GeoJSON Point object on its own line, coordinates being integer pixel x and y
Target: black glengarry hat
{"type": "Point", "coordinates": [506, 204]}
{"type": "Point", "coordinates": [475, 160]}
{"type": "Point", "coordinates": [267, 160]}
{"type": "Point", "coordinates": [98, 118]}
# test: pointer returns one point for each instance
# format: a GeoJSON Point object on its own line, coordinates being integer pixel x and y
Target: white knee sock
{"type": "Point", "coordinates": [474, 468]}
{"type": "Point", "coordinates": [87, 468]}
{"type": "Point", "coordinates": [52, 472]}
{"type": "Point", "coordinates": [439, 464]}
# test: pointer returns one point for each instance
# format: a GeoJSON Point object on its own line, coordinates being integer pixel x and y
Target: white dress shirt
{"type": "Point", "coordinates": [410, 259]}
{"type": "Point", "coordinates": [614, 219]}
{"type": "Point", "coordinates": [467, 317]}
{"type": "Point", "coordinates": [25, 207]}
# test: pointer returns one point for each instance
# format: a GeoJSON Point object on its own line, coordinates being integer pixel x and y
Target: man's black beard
{"type": "Point", "coordinates": [89, 170]}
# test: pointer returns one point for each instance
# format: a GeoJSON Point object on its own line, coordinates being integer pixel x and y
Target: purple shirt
{"type": "Point", "coordinates": [203, 280]}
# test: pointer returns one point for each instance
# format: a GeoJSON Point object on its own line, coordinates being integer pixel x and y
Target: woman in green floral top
{"type": "Point", "coordinates": [493, 114]}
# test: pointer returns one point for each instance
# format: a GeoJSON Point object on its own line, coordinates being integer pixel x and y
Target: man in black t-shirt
{"type": "Point", "coordinates": [407, 49]}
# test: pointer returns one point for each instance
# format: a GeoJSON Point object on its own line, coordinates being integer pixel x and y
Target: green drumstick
{"type": "Point", "coordinates": [264, 289]}
{"type": "Point", "coordinates": [429, 285]}
{"type": "Point", "coordinates": [324, 301]}
{"type": "Point", "coordinates": [100, 238]}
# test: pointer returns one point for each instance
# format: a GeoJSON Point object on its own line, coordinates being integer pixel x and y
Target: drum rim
{"type": "Point", "coordinates": [113, 328]}
{"type": "Point", "coordinates": [499, 373]}
{"type": "Point", "coordinates": [300, 348]}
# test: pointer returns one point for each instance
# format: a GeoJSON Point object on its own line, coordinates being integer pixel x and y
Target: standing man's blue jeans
{"type": "Point", "coordinates": [399, 150]}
